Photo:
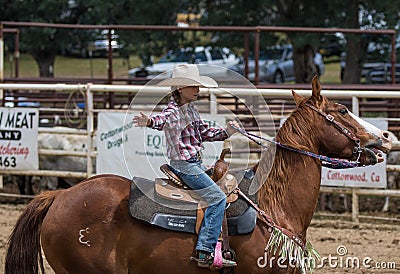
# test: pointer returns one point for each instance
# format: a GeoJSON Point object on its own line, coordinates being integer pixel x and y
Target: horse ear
{"type": "Point", "coordinates": [298, 99]}
{"type": "Point", "coordinates": [316, 90]}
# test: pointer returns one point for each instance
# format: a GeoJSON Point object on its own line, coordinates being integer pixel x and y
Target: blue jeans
{"type": "Point", "coordinates": [193, 175]}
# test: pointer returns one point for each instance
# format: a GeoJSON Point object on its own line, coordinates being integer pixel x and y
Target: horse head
{"type": "Point", "coordinates": [338, 132]}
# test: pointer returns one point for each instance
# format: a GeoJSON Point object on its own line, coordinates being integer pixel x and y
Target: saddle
{"type": "Point", "coordinates": [175, 189]}
{"type": "Point", "coordinates": [169, 204]}
{"type": "Point", "coordinates": [146, 205]}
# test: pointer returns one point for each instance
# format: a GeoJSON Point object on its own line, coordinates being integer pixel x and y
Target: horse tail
{"type": "Point", "coordinates": [24, 249]}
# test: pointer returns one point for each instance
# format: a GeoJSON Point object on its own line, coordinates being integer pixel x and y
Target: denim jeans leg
{"type": "Point", "coordinates": [194, 176]}
{"type": "Point", "coordinates": [211, 227]}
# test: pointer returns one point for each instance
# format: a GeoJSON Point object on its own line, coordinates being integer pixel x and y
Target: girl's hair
{"type": "Point", "coordinates": [175, 94]}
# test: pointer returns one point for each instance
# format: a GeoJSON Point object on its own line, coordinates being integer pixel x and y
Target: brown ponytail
{"type": "Point", "coordinates": [175, 94]}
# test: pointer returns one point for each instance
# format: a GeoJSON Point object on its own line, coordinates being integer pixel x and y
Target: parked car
{"type": "Point", "coordinates": [382, 74]}
{"type": "Point", "coordinates": [376, 67]}
{"type": "Point", "coordinates": [332, 44]}
{"type": "Point", "coordinates": [276, 65]}
{"type": "Point", "coordinates": [96, 46]}
{"type": "Point", "coordinates": [370, 63]}
{"type": "Point", "coordinates": [221, 57]}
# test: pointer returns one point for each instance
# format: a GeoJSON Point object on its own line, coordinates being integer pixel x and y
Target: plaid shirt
{"type": "Point", "coordinates": [185, 131]}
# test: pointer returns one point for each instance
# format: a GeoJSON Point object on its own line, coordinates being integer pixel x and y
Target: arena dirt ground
{"type": "Point", "coordinates": [338, 242]}
{"type": "Point", "coordinates": [377, 244]}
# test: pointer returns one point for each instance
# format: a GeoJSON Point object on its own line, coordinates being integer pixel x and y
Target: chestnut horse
{"type": "Point", "coordinates": [88, 228]}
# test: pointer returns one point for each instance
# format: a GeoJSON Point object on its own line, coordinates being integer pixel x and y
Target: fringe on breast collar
{"type": "Point", "coordinates": [283, 245]}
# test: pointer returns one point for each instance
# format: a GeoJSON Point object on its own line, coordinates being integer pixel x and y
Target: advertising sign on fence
{"type": "Point", "coordinates": [18, 138]}
{"type": "Point", "coordinates": [370, 176]}
{"type": "Point", "coordinates": [127, 150]}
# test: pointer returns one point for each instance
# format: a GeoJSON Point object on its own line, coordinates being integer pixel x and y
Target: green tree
{"type": "Point", "coordinates": [41, 43]}
{"type": "Point", "coordinates": [148, 43]}
{"type": "Point", "coordinates": [302, 13]}
{"type": "Point", "coordinates": [268, 12]}
{"type": "Point", "coordinates": [366, 14]}
{"type": "Point", "coordinates": [238, 13]}
{"type": "Point", "coordinates": [44, 43]}
{"type": "Point", "coordinates": [358, 14]}
{"type": "Point", "coordinates": [160, 12]}
{"type": "Point", "coordinates": [306, 13]}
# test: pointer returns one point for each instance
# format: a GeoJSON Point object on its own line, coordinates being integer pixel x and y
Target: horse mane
{"type": "Point", "coordinates": [298, 131]}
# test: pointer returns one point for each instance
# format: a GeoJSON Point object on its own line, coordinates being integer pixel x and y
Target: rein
{"type": "Point", "coordinates": [329, 162]}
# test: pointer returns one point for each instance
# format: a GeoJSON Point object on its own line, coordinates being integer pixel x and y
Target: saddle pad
{"type": "Point", "coordinates": [146, 206]}
{"type": "Point", "coordinates": [242, 224]}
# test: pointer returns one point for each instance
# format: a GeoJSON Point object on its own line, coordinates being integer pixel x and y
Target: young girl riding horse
{"type": "Point", "coordinates": [185, 133]}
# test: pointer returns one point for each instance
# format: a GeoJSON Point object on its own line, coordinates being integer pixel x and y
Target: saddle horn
{"type": "Point", "coordinates": [220, 167]}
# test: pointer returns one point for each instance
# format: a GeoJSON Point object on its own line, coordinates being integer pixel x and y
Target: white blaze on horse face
{"type": "Point", "coordinates": [370, 128]}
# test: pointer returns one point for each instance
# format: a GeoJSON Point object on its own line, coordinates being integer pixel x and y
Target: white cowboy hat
{"type": "Point", "coordinates": [188, 75]}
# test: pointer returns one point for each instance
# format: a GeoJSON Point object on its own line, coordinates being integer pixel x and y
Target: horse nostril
{"type": "Point", "coordinates": [385, 135]}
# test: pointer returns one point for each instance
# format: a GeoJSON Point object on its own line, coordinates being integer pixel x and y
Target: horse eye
{"type": "Point", "coordinates": [343, 111]}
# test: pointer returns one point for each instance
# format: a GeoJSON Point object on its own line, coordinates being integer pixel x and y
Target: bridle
{"type": "Point", "coordinates": [329, 162]}
{"type": "Point", "coordinates": [357, 148]}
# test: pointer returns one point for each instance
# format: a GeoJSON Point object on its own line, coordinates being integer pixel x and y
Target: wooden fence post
{"type": "Point", "coordinates": [355, 210]}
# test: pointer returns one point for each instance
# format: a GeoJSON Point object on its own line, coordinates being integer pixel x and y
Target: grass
{"type": "Point", "coordinates": [27, 66]}
{"type": "Point", "coordinates": [97, 67]}
{"type": "Point", "coordinates": [332, 73]}
{"type": "Point", "coordinates": [72, 67]}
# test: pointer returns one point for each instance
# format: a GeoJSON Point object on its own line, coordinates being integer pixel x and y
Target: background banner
{"type": "Point", "coordinates": [126, 150]}
{"type": "Point", "coordinates": [18, 138]}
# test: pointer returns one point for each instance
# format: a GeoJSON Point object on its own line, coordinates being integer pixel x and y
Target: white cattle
{"type": "Point", "coordinates": [54, 141]}
{"type": "Point", "coordinates": [241, 145]}
{"type": "Point", "coordinates": [65, 142]}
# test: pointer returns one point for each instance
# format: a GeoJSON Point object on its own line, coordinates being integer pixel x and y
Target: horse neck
{"type": "Point", "coordinates": [290, 193]}
{"type": "Point", "coordinates": [290, 188]}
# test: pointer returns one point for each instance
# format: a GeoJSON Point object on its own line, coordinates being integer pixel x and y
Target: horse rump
{"type": "Point", "coordinates": [24, 249]}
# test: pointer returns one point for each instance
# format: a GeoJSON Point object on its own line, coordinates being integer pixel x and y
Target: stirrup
{"type": "Point", "coordinates": [228, 263]}
{"type": "Point", "coordinates": [205, 262]}
{"type": "Point", "coordinates": [208, 262]}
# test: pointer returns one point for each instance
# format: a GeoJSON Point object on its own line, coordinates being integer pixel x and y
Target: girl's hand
{"type": "Point", "coordinates": [230, 129]}
{"type": "Point", "coordinates": [142, 121]}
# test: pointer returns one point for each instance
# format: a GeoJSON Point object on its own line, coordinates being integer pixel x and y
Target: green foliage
{"type": "Point", "coordinates": [144, 12]}
{"type": "Point", "coordinates": [238, 13]}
